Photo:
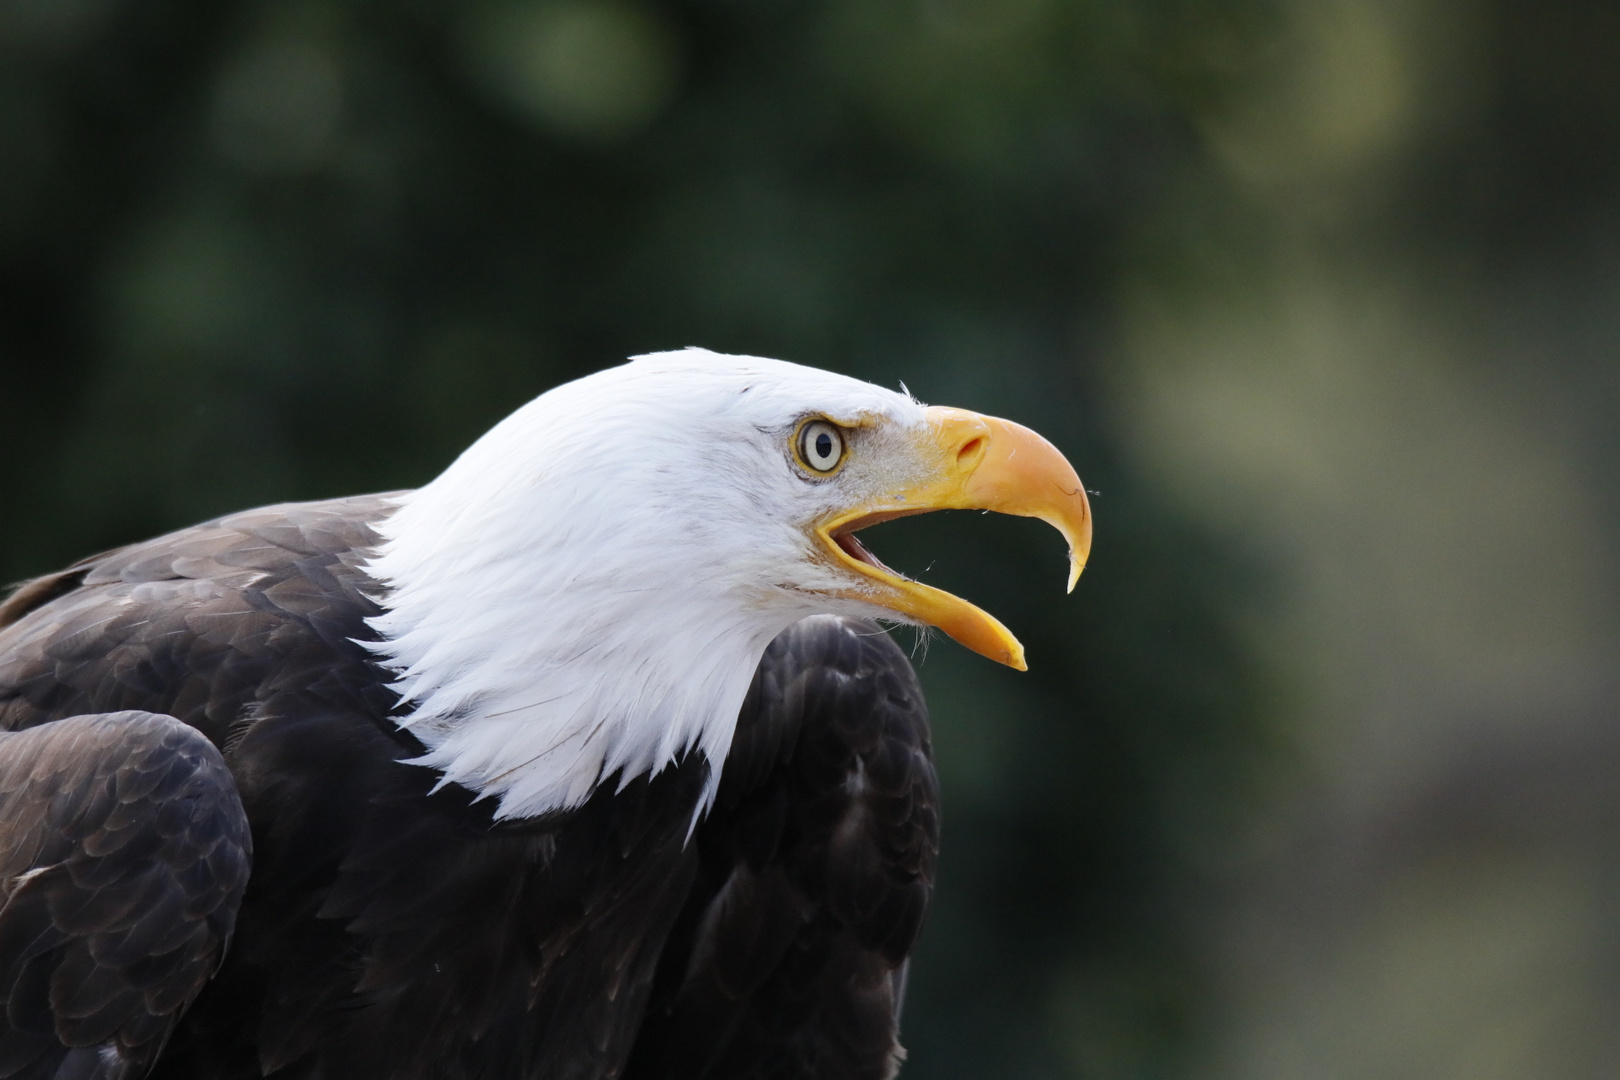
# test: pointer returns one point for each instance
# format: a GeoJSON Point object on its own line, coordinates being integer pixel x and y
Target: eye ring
{"type": "Point", "coordinates": [819, 446]}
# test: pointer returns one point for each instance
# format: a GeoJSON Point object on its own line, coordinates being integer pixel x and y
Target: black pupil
{"type": "Point", "coordinates": [823, 446]}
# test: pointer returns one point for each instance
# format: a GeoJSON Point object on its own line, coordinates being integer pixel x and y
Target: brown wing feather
{"type": "Point", "coordinates": [34, 594]}
{"type": "Point", "coordinates": [124, 853]}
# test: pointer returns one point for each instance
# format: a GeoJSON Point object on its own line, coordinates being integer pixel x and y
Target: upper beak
{"type": "Point", "coordinates": [971, 462]}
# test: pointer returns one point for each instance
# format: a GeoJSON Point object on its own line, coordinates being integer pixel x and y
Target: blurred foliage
{"type": "Point", "coordinates": [256, 251]}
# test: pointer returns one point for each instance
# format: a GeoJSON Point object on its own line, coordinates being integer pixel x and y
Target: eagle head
{"type": "Point", "coordinates": [586, 591]}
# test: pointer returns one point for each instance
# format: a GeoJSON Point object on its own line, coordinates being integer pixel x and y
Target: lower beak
{"type": "Point", "coordinates": [972, 462]}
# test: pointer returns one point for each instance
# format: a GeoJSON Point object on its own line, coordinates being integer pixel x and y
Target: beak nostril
{"type": "Point", "coordinates": [969, 448]}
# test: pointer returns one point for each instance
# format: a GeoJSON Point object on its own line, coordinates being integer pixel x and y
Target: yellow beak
{"type": "Point", "coordinates": [973, 463]}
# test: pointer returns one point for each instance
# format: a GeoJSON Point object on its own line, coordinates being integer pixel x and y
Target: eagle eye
{"type": "Point", "coordinates": [821, 446]}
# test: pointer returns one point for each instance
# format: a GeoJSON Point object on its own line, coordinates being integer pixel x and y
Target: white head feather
{"type": "Point", "coordinates": [587, 590]}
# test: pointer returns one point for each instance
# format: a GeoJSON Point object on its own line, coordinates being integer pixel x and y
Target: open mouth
{"type": "Point", "coordinates": [911, 599]}
{"type": "Point", "coordinates": [860, 553]}
{"type": "Point", "coordinates": [844, 536]}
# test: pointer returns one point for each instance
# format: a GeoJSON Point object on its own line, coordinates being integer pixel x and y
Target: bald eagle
{"type": "Point", "coordinates": [587, 759]}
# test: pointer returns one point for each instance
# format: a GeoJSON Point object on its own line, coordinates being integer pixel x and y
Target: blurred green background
{"type": "Point", "coordinates": [1313, 777]}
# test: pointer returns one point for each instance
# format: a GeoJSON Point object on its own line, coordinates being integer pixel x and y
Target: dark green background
{"type": "Point", "coordinates": [252, 252]}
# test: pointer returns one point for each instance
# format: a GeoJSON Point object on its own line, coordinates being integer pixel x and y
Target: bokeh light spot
{"type": "Point", "coordinates": [278, 107]}
{"type": "Point", "coordinates": [601, 70]}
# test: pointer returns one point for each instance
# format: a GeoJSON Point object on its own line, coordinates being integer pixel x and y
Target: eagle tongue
{"type": "Point", "coordinates": [857, 550]}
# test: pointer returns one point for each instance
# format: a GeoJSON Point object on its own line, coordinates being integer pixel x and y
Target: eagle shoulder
{"type": "Point", "coordinates": [196, 623]}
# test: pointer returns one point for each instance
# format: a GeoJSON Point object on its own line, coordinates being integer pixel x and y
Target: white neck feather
{"type": "Point", "coordinates": [586, 591]}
